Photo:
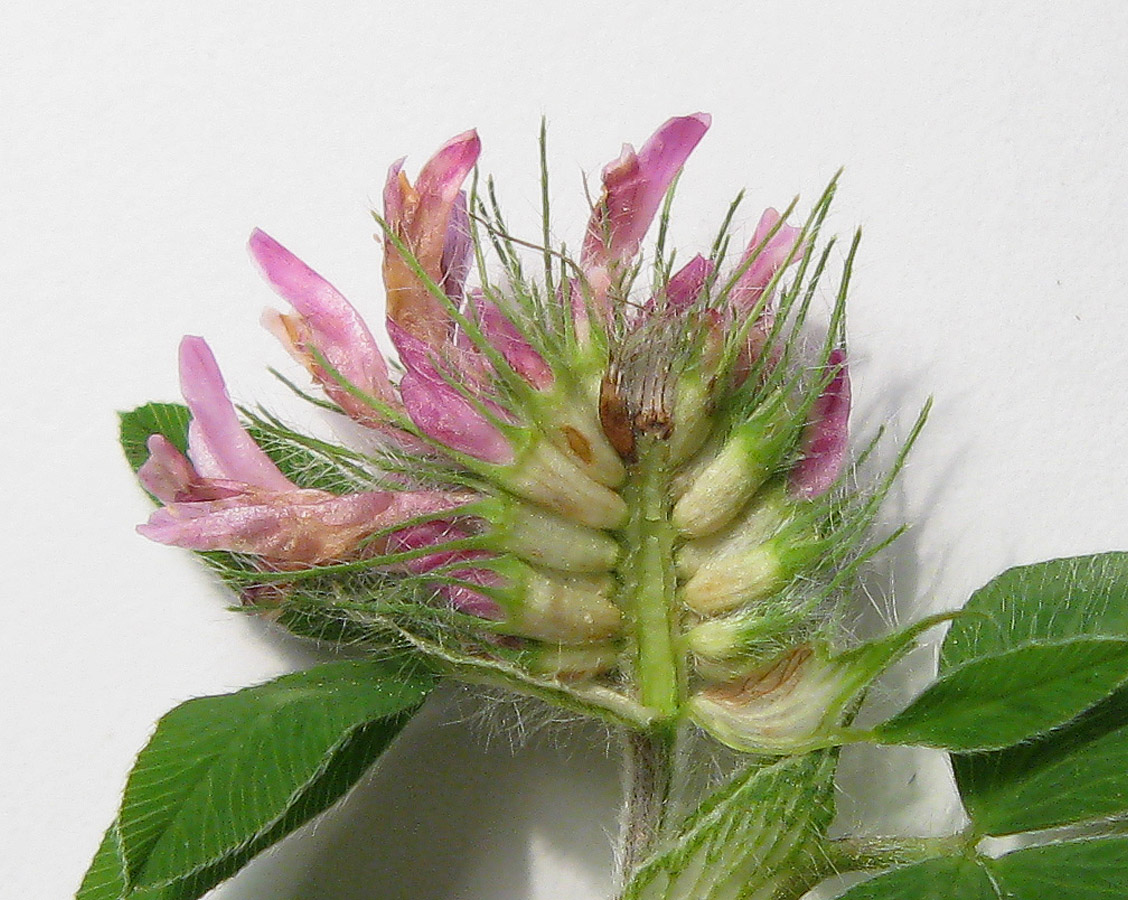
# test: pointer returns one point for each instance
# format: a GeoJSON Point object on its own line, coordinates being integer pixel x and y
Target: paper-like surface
{"type": "Point", "coordinates": [140, 143]}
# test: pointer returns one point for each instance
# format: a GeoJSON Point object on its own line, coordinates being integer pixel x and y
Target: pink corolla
{"type": "Point", "coordinates": [633, 188]}
{"type": "Point", "coordinates": [429, 220]}
{"type": "Point", "coordinates": [229, 495]}
{"type": "Point", "coordinates": [825, 437]}
{"type": "Point", "coordinates": [324, 326]}
{"type": "Point", "coordinates": [574, 457]}
{"type": "Point", "coordinates": [774, 246]}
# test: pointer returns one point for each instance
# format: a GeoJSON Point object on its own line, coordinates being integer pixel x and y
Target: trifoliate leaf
{"type": "Point", "coordinates": [1079, 771]}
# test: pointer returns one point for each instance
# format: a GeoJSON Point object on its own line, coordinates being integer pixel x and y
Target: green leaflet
{"type": "Point", "coordinates": [1079, 771]}
{"type": "Point", "coordinates": [947, 878]}
{"type": "Point", "coordinates": [1094, 869]}
{"type": "Point", "coordinates": [1055, 600]}
{"type": "Point", "coordinates": [225, 777]}
{"type": "Point", "coordinates": [997, 700]}
{"type": "Point", "coordinates": [105, 879]}
{"type": "Point", "coordinates": [1075, 773]}
{"type": "Point", "coordinates": [754, 838]}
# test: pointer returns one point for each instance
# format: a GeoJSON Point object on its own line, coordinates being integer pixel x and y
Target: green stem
{"type": "Point", "coordinates": [648, 581]}
{"type": "Point", "coordinates": [869, 854]}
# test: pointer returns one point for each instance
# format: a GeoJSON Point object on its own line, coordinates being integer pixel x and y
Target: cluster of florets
{"type": "Point", "coordinates": [622, 487]}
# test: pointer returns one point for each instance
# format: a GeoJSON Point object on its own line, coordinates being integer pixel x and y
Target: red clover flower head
{"type": "Point", "coordinates": [618, 480]}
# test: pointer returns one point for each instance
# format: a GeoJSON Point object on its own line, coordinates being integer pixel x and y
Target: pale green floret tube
{"type": "Point", "coordinates": [576, 432]}
{"type": "Point", "coordinates": [721, 486]}
{"type": "Point", "coordinates": [694, 420]}
{"type": "Point", "coordinates": [721, 586]}
{"type": "Point", "coordinates": [556, 607]}
{"type": "Point", "coordinates": [746, 634]}
{"type": "Point", "coordinates": [726, 582]}
{"type": "Point", "coordinates": [572, 663]}
{"type": "Point", "coordinates": [546, 539]}
{"type": "Point", "coordinates": [548, 478]}
{"type": "Point", "coordinates": [765, 515]}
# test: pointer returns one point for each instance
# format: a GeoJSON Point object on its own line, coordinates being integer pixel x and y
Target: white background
{"type": "Point", "coordinates": [984, 146]}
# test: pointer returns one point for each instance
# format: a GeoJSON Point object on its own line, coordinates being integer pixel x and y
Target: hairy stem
{"type": "Point", "coordinates": [647, 780]}
{"type": "Point", "coordinates": [869, 854]}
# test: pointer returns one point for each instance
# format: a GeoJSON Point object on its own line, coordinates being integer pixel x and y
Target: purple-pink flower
{"type": "Point", "coordinates": [521, 419]}
{"type": "Point", "coordinates": [430, 219]}
{"type": "Point", "coordinates": [633, 188]}
{"type": "Point", "coordinates": [227, 494]}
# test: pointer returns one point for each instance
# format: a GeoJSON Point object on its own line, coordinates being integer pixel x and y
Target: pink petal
{"type": "Point", "coordinates": [167, 472]}
{"type": "Point", "coordinates": [441, 177]}
{"type": "Point", "coordinates": [455, 265]}
{"type": "Point", "coordinates": [505, 337]}
{"type": "Point", "coordinates": [439, 409]}
{"type": "Point", "coordinates": [467, 600]}
{"type": "Point", "coordinates": [295, 526]}
{"type": "Point", "coordinates": [824, 439]}
{"type": "Point", "coordinates": [686, 284]}
{"type": "Point", "coordinates": [395, 201]}
{"type": "Point", "coordinates": [431, 220]}
{"type": "Point", "coordinates": [420, 357]}
{"type": "Point", "coordinates": [428, 534]}
{"type": "Point", "coordinates": [218, 445]}
{"type": "Point", "coordinates": [462, 597]}
{"type": "Point", "coordinates": [298, 526]}
{"type": "Point", "coordinates": [633, 188]}
{"type": "Point", "coordinates": [328, 322]}
{"type": "Point", "coordinates": [750, 286]}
